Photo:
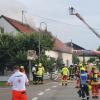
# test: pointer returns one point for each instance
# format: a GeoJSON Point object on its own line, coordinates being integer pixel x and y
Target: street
{"type": "Point", "coordinates": [47, 91]}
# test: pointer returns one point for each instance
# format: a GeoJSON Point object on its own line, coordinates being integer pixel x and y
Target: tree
{"type": "Point", "coordinates": [59, 63]}
{"type": "Point", "coordinates": [98, 62]}
{"type": "Point", "coordinates": [75, 59]}
{"type": "Point", "coordinates": [98, 50]}
{"type": "Point", "coordinates": [91, 60]}
{"type": "Point", "coordinates": [13, 49]}
{"type": "Point", "coordinates": [6, 48]}
{"type": "Point", "coordinates": [49, 64]}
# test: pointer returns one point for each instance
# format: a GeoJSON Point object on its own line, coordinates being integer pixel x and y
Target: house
{"type": "Point", "coordinates": [77, 50]}
{"type": "Point", "coordinates": [9, 25]}
{"type": "Point", "coordinates": [61, 51]}
{"type": "Point", "coordinates": [81, 52]}
{"type": "Point", "coordinates": [74, 46]}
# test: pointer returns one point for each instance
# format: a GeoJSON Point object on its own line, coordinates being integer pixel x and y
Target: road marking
{"type": "Point", "coordinates": [54, 86]}
{"type": "Point", "coordinates": [35, 98]}
{"type": "Point", "coordinates": [41, 93]}
{"type": "Point", "coordinates": [54, 82]}
{"type": "Point", "coordinates": [47, 89]}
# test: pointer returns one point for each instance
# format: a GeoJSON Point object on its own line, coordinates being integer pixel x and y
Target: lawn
{"type": "Point", "coordinates": [2, 83]}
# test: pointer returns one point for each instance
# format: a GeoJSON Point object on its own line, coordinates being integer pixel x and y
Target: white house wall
{"type": "Point", "coordinates": [86, 58]}
{"type": "Point", "coordinates": [53, 54]}
{"type": "Point", "coordinates": [67, 58]}
{"type": "Point", "coordinates": [8, 28]}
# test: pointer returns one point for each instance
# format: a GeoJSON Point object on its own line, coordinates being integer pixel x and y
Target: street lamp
{"type": "Point", "coordinates": [42, 25]}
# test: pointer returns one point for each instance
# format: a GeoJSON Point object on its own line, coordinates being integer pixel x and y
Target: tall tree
{"type": "Point", "coordinates": [13, 49]}
{"type": "Point", "coordinates": [98, 55]}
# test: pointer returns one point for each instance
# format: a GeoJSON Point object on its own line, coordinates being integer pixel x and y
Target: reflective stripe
{"type": "Point", "coordinates": [85, 74]}
{"type": "Point", "coordinates": [83, 78]}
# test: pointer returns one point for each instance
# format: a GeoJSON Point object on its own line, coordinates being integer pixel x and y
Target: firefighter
{"type": "Point", "coordinates": [77, 73]}
{"type": "Point", "coordinates": [71, 72]}
{"type": "Point", "coordinates": [65, 75]}
{"type": "Point", "coordinates": [40, 73]}
{"type": "Point", "coordinates": [18, 81]}
{"type": "Point", "coordinates": [94, 82]}
{"type": "Point", "coordinates": [84, 90]}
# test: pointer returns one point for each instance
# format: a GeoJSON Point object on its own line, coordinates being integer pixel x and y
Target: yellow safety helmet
{"type": "Point", "coordinates": [94, 67]}
{"type": "Point", "coordinates": [80, 65]}
{"type": "Point", "coordinates": [82, 69]}
{"type": "Point", "coordinates": [40, 64]}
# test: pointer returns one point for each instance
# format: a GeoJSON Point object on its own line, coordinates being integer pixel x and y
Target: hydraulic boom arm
{"type": "Point", "coordinates": [72, 12]}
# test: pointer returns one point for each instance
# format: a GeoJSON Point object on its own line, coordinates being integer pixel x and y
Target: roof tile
{"type": "Point", "coordinates": [60, 46]}
{"type": "Point", "coordinates": [19, 26]}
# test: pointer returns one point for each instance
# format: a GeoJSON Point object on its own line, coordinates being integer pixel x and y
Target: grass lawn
{"type": "Point", "coordinates": [2, 83]}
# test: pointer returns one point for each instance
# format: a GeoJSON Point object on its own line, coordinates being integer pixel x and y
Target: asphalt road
{"type": "Point", "coordinates": [47, 91]}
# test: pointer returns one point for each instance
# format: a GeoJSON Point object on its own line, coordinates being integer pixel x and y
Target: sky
{"type": "Point", "coordinates": [55, 14]}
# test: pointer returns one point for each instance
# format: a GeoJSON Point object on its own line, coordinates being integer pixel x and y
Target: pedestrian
{"type": "Point", "coordinates": [84, 90]}
{"type": "Point", "coordinates": [34, 74]}
{"type": "Point", "coordinates": [18, 80]}
{"type": "Point", "coordinates": [65, 75]}
{"type": "Point", "coordinates": [22, 69]}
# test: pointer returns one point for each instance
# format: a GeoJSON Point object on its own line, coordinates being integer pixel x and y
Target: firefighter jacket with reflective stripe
{"type": "Point", "coordinates": [65, 71]}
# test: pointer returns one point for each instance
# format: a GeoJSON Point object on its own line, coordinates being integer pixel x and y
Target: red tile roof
{"type": "Point", "coordinates": [18, 25]}
{"type": "Point", "coordinates": [96, 52]}
{"type": "Point", "coordinates": [86, 52]}
{"type": "Point", "coordinates": [75, 46]}
{"type": "Point", "coordinates": [60, 46]}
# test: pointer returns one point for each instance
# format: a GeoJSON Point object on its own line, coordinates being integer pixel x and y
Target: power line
{"type": "Point", "coordinates": [50, 19]}
{"type": "Point", "coordinates": [53, 20]}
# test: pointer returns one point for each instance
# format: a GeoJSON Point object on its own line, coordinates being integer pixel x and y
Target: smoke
{"type": "Point", "coordinates": [10, 8]}
{"type": "Point", "coordinates": [13, 9]}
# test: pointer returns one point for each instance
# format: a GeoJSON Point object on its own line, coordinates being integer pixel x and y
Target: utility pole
{"type": "Point", "coordinates": [72, 49]}
{"type": "Point", "coordinates": [72, 12]}
{"type": "Point", "coordinates": [22, 16]}
{"type": "Point", "coordinates": [41, 30]}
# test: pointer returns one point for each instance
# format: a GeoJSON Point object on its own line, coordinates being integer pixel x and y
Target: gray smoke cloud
{"type": "Point", "coordinates": [13, 9]}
